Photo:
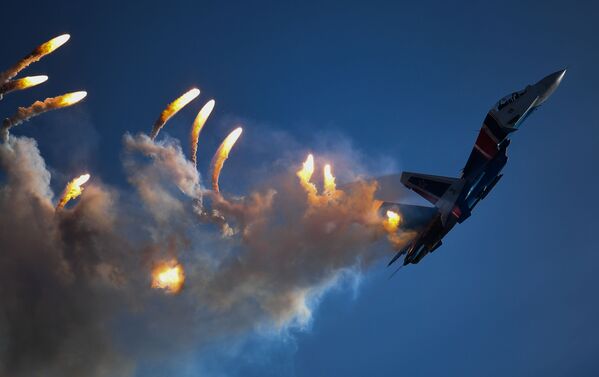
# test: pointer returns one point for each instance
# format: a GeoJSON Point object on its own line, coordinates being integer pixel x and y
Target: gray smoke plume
{"type": "Point", "coordinates": [75, 293]}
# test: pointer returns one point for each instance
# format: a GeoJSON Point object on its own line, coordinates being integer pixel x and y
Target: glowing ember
{"type": "Point", "coordinates": [168, 276]}
{"type": "Point", "coordinates": [197, 126]}
{"type": "Point", "coordinates": [329, 181]}
{"type": "Point", "coordinates": [391, 223]}
{"type": "Point", "coordinates": [222, 154]}
{"type": "Point", "coordinates": [172, 109]}
{"type": "Point", "coordinates": [73, 190]}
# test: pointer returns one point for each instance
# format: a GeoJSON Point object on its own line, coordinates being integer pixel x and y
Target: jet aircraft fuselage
{"type": "Point", "coordinates": [455, 198]}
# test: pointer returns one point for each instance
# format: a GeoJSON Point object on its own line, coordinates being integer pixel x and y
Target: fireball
{"type": "Point", "coordinates": [168, 276]}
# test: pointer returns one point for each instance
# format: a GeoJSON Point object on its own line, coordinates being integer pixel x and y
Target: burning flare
{"type": "Point", "coordinates": [73, 190]}
{"type": "Point", "coordinates": [33, 57]}
{"type": "Point", "coordinates": [391, 223]}
{"type": "Point", "coordinates": [329, 181]}
{"type": "Point", "coordinates": [197, 126]}
{"type": "Point", "coordinates": [23, 114]}
{"type": "Point", "coordinates": [21, 84]}
{"type": "Point", "coordinates": [168, 276]}
{"type": "Point", "coordinates": [305, 174]}
{"type": "Point", "coordinates": [172, 109]}
{"type": "Point", "coordinates": [222, 153]}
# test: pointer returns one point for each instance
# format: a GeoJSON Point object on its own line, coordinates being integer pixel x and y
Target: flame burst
{"type": "Point", "coordinates": [197, 126]}
{"type": "Point", "coordinates": [21, 84]}
{"type": "Point", "coordinates": [391, 223]}
{"type": "Point", "coordinates": [41, 51]}
{"type": "Point", "coordinates": [72, 190]}
{"type": "Point", "coordinates": [329, 181]}
{"type": "Point", "coordinates": [23, 114]}
{"type": "Point", "coordinates": [221, 155]}
{"type": "Point", "coordinates": [168, 276]}
{"type": "Point", "coordinates": [172, 109]}
{"type": "Point", "coordinates": [305, 174]}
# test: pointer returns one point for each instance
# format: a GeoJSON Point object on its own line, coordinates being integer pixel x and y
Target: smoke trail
{"type": "Point", "coordinates": [172, 109]}
{"type": "Point", "coordinates": [21, 84]}
{"type": "Point", "coordinates": [222, 153]}
{"type": "Point", "coordinates": [100, 259]}
{"type": "Point", "coordinates": [41, 51]}
{"type": "Point", "coordinates": [197, 126]}
{"type": "Point", "coordinates": [23, 114]}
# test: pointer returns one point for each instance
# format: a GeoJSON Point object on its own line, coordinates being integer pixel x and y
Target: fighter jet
{"type": "Point", "coordinates": [455, 198]}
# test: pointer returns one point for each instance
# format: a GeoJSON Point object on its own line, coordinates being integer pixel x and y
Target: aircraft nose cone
{"type": "Point", "coordinates": [548, 84]}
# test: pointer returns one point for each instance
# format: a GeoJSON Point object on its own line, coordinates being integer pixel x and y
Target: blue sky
{"type": "Point", "coordinates": [511, 292]}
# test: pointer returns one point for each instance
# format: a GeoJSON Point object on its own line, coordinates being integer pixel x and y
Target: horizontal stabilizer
{"type": "Point", "coordinates": [430, 187]}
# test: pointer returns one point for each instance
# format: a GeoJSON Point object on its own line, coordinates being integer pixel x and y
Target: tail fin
{"type": "Point", "coordinates": [430, 187]}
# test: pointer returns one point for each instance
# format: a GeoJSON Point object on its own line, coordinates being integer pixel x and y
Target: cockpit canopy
{"type": "Point", "coordinates": [509, 99]}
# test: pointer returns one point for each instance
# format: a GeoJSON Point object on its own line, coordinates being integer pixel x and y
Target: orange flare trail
{"type": "Point", "coordinates": [197, 126]}
{"type": "Point", "coordinates": [23, 114]}
{"type": "Point", "coordinates": [168, 276]}
{"type": "Point", "coordinates": [172, 109]}
{"type": "Point", "coordinates": [221, 155]}
{"type": "Point", "coordinates": [21, 84]}
{"type": "Point", "coordinates": [305, 174]}
{"type": "Point", "coordinates": [329, 181]}
{"type": "Point", "coordinates": [73, 189]}
{"type": "Point", "coordinates": [41, 51]}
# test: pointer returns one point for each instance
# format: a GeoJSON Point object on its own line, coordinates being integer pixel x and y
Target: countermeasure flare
{"type": "Point", "coordinates": [41, 51]}
{"type": "Point", "coordinates": [222, 153]}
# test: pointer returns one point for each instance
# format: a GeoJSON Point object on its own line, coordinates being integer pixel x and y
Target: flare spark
{"type": "Point", "coordinates": [197, 126]}
{"type": "Point", "coordinates": [172, 109]}
{"type": "Point", "coordinates": [222, 153]}
{"type": "Point", "coordinates": [73, 189]}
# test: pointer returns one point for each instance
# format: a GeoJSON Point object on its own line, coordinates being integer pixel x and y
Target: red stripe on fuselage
{"type": "Point", "coordinates": [485, 143]}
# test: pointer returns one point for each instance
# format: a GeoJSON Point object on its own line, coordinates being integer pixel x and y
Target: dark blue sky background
{"type": "Point", "coordinates": [513, 291]}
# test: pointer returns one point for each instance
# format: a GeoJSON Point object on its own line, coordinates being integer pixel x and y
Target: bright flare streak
{"type": "Point", "coordinates": [168, 276]}
{"type": "Point", "coordinates": [305, 174]}
{"type": "Point", "coordinates": [172, 109]}
{"type": "Point", "coordinates": [53, 44]}
{"type": "Point", "coordinates": [28, 82]}
{"type": "Point", "coordinates": [221, 155]}
{"type": "Point", "coordinates": [73, 190]}
{"type": "Point", "coordinates": [329, 180]}
{"type": "Point", "coordinates": [197, 126]}
{"type": "Point", "coordinates": [71, 98]}
{"type": "Point", "coordinates": [41, 51]}
{"type": "Point", "coordinates": [23, 114]}
{"type": "Point", "coordinates": [21, 84]}
{"type": "Point", "coordinates": [391, 223]}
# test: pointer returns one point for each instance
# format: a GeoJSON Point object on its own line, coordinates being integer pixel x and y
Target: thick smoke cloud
{"type": "Point", "coordinates": [75, 292]}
